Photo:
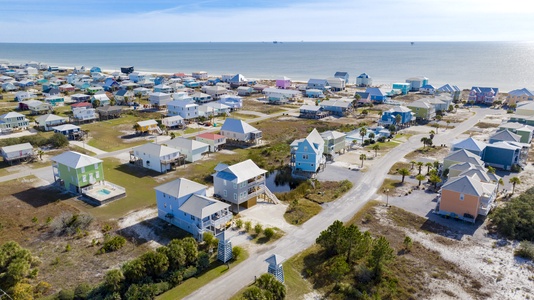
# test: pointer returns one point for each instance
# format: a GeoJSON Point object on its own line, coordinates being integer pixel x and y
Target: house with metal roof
{"type": "Point", "coordinates": [417, 82]}
{"type": "Point", "coordinates": [307, 154]}
{"type": "Point", "coordinates": [241, 184]}
{"type": "Point", "coordinates": [109, 112]}
{"type": "Point", "coordinates": [276, 95]}
{"type": "Point", "coordinates": [183, 108]}
{"type": "Point", "coordinates": [461, 156]}
{"type": "Point", "coordinates": [234, 102]}
{"type": "Point", "coordinates": [240, 131]}
{"type": "Point", "coordinates": [184, 204]}
{"type": "Point", "coordinates": [342, 75]}
{"type": "Point", "coordinates": [525, 109]}
{"type": "Point", "coordinates": [46, 122]}
{"type": "Point", "coordinates": [427, 89]}
{"type": "Point", "coordinates": [215, 141]}
{"type": "Point", "coordinates": [159, 158]}
{"type": "Point", "coordinates": [214, 91]}
{"type": "Point", "coordinates": [519, 95]}
{"type": "Point", "coordinates": [72, 132]}
{"type": "Point", "coordinates": [453, 90]}
{"type": "Point", "coordinates": [283, 83]}
{"type": "Point", "coordinates": [80, 98]}
{"type": "Point", "coordinates": [82, 174]}
{"type": "Point", "coordinates": [466, 197]}
{"type": "Point", "coordinates": [376, 94]}
{"type": "Point", "coordinates": [191, 149]}
{"type": "Point", "coordinates": [504, 155]}
{"type": "Point", "coordinates": [422, 109]}
{"type": "Point", "coordinates": [334, 142]}
{"type": "Point", "coordinates": [504, 136]}
{"type": "Point", "coordinates": [19, 152]}
{"type": "Point", "coordinates": [83, 112]}
{"type": "Point", "coordinates": [36, 107]}
{"type": "Point", "coordinates": [173, 122]}
{"type": "Point", "coordinates": [159, 99]}
{"type": "Point", "coordinates": [483, 95]}
{"type": "Point", "coordinates": [364, 80]}
{"type": "Point", "coordinates": [319, 84]}
{"type": "Point", "coordinates": [124, 96]}
{"type": "Point", "coordinates": [312, 112]}
{"type": "Point", "coordinates": [148, 126]}
{"type": "Point", "coordinates": [389, 116]}
{"type": "Point", "coordinates": [525, 131]}
{"type": "Point", "coordinates": [471, 145]}
{"type": "Point", "coordinates": [213, 109]}
{"type": "Point", "coordinates": [12, 121]}
{"type": "Point", "coordinates": [403, 87]}
{"type": "Point", "coordinates": [364, 98]}
{"type": "Point", "coordinates": [337, 107]}
{"type": "Point", "coordinates": [336, 84]}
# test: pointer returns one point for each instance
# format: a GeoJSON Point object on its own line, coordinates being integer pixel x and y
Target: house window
{"type": "Point", "coordinates": [84, 178]}
{"type": "Point", "coordinates": [304, 156]}
{"type": "Point", "coordinates": [305, 148]}
{"type": "Point", "coordinates": [235, 185]}
{"type": "Point", "coordinates": [170, 207]}
{"type": "Point", "coordinates": [224, 182]}
{"type": "Point", "coordinates": [97, 175]}
{"type": "Point", "coordinates": [235, 196]}
{"type": "Point", "coordinates": [462, 197]}
{"type": "Point", "coordinates": [193, 218]}
{"type": "Point", "coordinates": [225, 193]}
{"type": "Point", "coordinates": [96, 166]}
{"type": "Point", "coordinates": [165, 205]}
{"type": "Point", "coordinates": [83, 169]}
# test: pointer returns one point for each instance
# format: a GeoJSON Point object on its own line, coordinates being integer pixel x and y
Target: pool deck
{"type": "Point", "coordinates": [94, 197]}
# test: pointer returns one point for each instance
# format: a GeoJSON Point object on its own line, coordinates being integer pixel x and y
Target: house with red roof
{"type": "Point", "coordinates": [214, 140]}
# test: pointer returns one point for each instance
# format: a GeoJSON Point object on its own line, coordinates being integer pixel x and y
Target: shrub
{"type": "Point", "coordinates": [113, 244]}
{"type": "Point", "coordinates": [190, 272]}
{"type": "Point", "coordinates": [58, 140]}
{"type": "Point", "coordinates": [248, 226]}
{"type": "Point", "coordinates": [68, 223]}
{"type": "Point", "coordinates": [239, 223]}
{"type": "Point", "coordinates": [514, 219]}
{"type": "Point", "coordinates": [237, 252]}
{"type": "Point", "coordinates": [68, 248]}
{"type": "Point", "coordinates": [525, 250]}
{"type": "Point", "coordinates": [65, 295]}
{"type": "Point", "coordinates": [203, 261]}
{"type": "Point", "coordinates": [82, 291]}
{"type": "Point", "coordinates": [258, 228]}
{"type": "Point", "coordinates": [269, 233]}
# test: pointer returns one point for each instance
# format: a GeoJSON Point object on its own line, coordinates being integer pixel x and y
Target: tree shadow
{"type": "Point", "coordinates": [451, 227]}
{"type": "Point", "coordinates": [153, 229]}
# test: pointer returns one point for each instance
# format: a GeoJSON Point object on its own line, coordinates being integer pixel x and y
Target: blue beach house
{"type": "Point", "coordinates": [417, 82]}
{"type": "Point", "coordinates": [307, 154]}
{"type": "Point", "coordinates": [364, 80]}
{"type": "Point", "coordinates": [376, 94]}
{"type": "Point", "coordinates": [389, 117]}
{"type": "Point", "coordinates": [402, 86]}
{"type": "Point", "coordinates": [320, 84]}
{"type": "Point", "coordinates": [336, 107]}
{"type": "Point", "coordinates": [183, 203]}
{"type": "Point", "coordinates": [502, 155]}
{"type": "Point", "coordinates": [314, 93]}
{"type": "Point", "coordinates": [95, 70]}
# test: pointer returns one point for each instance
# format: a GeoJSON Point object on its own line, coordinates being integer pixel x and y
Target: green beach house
{"type": "Point", "coordinates": [75, 171]}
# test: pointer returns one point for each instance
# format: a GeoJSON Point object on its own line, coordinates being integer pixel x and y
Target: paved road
{"type": "Point", "coordinates": [300, 238]}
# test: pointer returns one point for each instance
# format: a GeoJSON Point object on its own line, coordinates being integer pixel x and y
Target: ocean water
{"type": "Point", "coordinates": [506, 65]}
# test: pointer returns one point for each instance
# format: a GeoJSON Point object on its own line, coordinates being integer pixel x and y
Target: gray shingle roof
{"type": "Point", "coordinates": [180, 187]}
{"type": "Point", "coordinates": [202, 206]}
{"type": "Point", "coordinates": [75, 160]}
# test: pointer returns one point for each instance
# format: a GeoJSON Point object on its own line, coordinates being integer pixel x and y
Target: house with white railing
{"type": "Point", "coordinates": [184, 204]}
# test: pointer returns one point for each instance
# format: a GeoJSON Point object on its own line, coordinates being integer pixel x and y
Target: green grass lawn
{"type": "Point", "coordinates": [194, 283]}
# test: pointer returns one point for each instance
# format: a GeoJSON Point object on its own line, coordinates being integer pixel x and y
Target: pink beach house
{"type": "Point", "coordinates": [283, 83]}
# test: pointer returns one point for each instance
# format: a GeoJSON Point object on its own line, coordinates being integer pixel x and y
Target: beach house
{"type": "Point", "coordinates": [216, 92]}
{"type": "Point", "coordinates": [82, 174]}
{"type": "Point", "coordinates": [19, 152]}
{"type": "Point", "coordinates": [159, 99]}
{"type": "Point", "coordinates": [452, 90]}
{"type": "Point", "coordinates": [376, 94]}
{"type": "Point", "coordinates": [201, 75]}
{"type": "Point", "coordinates": [364, 80]}
{"type": "Point", "coordinates": [466, 197]}
{"type": "Point", "coordinates": [173, 122]}
{"type": "Point", "coordinates": [163, 88]}
{"type": "Point", "coordinates": [215, 141]}
{"type": "Point", "coordinates": [13, 121]}
{"type": "Point", "coordinates": [148, 126]}
{"type": "Point", "coordinates": [427, 89]}
{"type": "Point", "coordinates": [24, 95]}
{"type": "Point", "coordinates": [505, 155]}
{"type": "Point", "coordinates": [525, 109]}
{"type": "Point", "coordinates": [389, 117]}
{"type": "Point", "coordinates": [423, 110]}
{"type": "Point", "coordinates": [191, 149]}
{"type": "Point", "coordinates": [234, 102]}
{"type": "Point", "coordinates": [283, 83]}
{"type": "Point", "coordinates": [184, 204]}
{"type": "Point", "coordinates": [183, 108]}
{"type": "Point", "coordinates": [124, 96]}
{"type": "Point", "coordinates": [471, 145]}
{"type": "Point", "coordinates": [525, 131]}
{"type": "Point", "coordinates": [80, 98]}
{"type": "Point", "coordinates": [159, 158]}
{"type": "Point", "coordinates": [417, 82]}
{"type": "Point", "coordinates": [240, 184]}
{"type": "Point", "coordinates": [109, 112]}
{"type": "Point", "coordinates": [275, 95]}
{"type": "Point", "coordinates": [46, 122]}
{"type": "Point", "coordinates": [403, 88]}
{"type": "Point", "coordinates": [36, 107]}
{"type": "Point", "coordinates": [319, 84]}
{"type": "Point", "coordinates": [239, 131]}
{"type": "Point", "coordinates": [483, 95]}
{"type": "Point", "coordinates": [55, 100]}
{"type": "Point", "coordinates": [519, 95]}
{"type": "Point", "coordinates": [307, 155]}
{"type": "Point", "coordinates": [83, 112]}
{"type": "Point", "coordinates": [213, 109]}
{"type": "Point", "coordinates": [72, 132]}
{"type": "Point", "coordinates": [363, 98]}
{"type": "Point", "coordinates": [312, 112]}
{"type": "Point", "coordinates": [342, 75]}
{"type": "Point", "coordinates": [334, 142]}
{"type": "Point", "coordinates": [337, 107]}
{"type": "Point", "coordinates": [245, 90]}
{"type": "Point", "coordinates": [100, 99]}
{"type": "Point", "coordinates": [461, 156]}
{"type": "Point", "coordinates": [314, 93]}
{"type": "Point", "coordinates": [200, 98]}
{"type": "Point", "coordinates": [336, 84]}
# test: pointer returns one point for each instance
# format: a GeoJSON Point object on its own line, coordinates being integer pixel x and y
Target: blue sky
{"type": "Point", "coordinates": [262, 20]}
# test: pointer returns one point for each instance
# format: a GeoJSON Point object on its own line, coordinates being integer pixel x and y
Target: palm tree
{"type": "Point", "coordinates": [501, 182]}
{"type": "Point", "coordinates": [371, 135]}
{"type": "Point", "coordinates": [420, 166]}
{"type": "Point", "coordinates": [413, 162]}
{"type": "Point", "coordinates": [435, 180]}
{"type": "Point", "coordinates": [363, 132]}
{"type": "Point", "coordinates": [420, 177]}
{"type": "Point", "coordinates": [428, 165]}
{"type": "Point", "coordinates": [424, 140]}
{"type": "Point", "coordinates": [448, 123]}
{"type": "Point", "coordinates": [362, 158]}
{"type": "Point", "coordinates": [40, 153]}
{"type": "Point", "coordinates": [376, 147]}
{"type": "Point", "coordinates": [137, 127]}
{"type": "Point", "coordinates": [404, 172]}
{"type": "Point", "coordinates": [398, 120]}
{"type": "Point", "coordinates": [432, 133]}
{"type": "Point", "coordinates": [491, 170]}
{"type": "Point", "coordinates": [514, 180]}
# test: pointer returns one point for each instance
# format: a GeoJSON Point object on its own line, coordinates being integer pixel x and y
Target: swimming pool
{"type": "Point", "coordinates": [103, 192]}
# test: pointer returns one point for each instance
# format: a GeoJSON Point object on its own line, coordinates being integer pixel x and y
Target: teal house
{"type": "Point", "coordinates": [404, 88]}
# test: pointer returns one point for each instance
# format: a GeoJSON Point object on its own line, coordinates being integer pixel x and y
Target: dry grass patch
{"type": "Point", "coordinates": [399, 165]}
{"type": "Point", "coordinates": [484, 125]}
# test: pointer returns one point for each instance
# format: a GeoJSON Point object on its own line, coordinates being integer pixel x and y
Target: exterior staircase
{"type": "Point", "coordinates": [158, 130]}
{"type": "Point", "coordinates": [270, 195]}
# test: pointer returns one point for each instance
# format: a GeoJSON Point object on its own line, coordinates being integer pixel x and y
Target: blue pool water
{"type": "Point", "coordinates": [103, 192]}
